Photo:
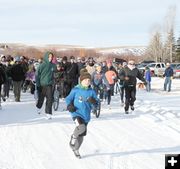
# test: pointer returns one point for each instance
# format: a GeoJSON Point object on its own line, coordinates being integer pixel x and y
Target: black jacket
{"type": "Point", "coordinates": [72, 71]}
{"type": "Point", "coordinates": [17, 72]}
{"type": "Point", "coordinates": [2, 75]}
{"type": "Point", "coordinates": [132, 75]}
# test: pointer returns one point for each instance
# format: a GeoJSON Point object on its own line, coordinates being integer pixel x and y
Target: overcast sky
{"type": "Point", "coordinates": [83, 22]}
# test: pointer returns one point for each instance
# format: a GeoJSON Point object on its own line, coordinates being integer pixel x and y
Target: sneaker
{"type": "Point", "coordinates": [48, 116]}
{"type": "Point", "coordinates": [109, 106]}
{"type": "Point", "coordinates": [38, 111]}
{"type": "Point", "coordinates": [122, 103]}
{"type": "Point", "coordinates": [76, 153]}
{"type": "Point", "coordinates": [132, 108]}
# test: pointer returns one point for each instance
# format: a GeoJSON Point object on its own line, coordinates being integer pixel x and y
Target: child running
{"type": "Point", "coordinates": [79, 102]}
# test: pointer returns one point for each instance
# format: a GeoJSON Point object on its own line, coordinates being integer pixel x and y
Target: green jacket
{"type": "Point", "coordinates": [45, 71]}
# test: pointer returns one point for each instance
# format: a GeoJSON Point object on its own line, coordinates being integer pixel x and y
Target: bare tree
{"type": "Point", "coordinates": [155, 47]}
{"type": "Point", "coordinates": [169, 49]}
{"type": "Point", "coordinates": [178, 50]}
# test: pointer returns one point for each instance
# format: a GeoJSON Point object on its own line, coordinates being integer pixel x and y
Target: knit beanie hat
{"type": "Point", "coordinates": [84, 75]}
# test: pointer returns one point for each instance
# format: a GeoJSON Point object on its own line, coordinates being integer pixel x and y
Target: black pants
{"type": "Point", "coordinates": [130, 95]}
{"type": "Point", "coordinates": [99, 90]}
{"type": "Point", "coordinates": [0, 92]}
{"type": "Point", "coordinates": [17, 89]}
{"type": "Point", "coordinates": [109, 93]}
{"type": "Point", "coordinates": [122, 94]}
{"type": "Point", "coordinates": [45, 92]}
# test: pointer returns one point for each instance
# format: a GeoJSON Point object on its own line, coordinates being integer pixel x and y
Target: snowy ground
{"type": "Point", "coordinates": [114, 141]}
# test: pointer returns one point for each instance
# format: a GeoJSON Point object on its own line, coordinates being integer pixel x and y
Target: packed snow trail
{"type": "Point", "coordinates": [114, 141]}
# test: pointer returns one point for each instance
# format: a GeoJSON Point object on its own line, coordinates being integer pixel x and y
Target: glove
{"type": "Point", "coordinates": [171, 77]}
{"type": "Point", "coordinates": [92, 100]}
{"type": "Point", "coordinates": [71, 108]}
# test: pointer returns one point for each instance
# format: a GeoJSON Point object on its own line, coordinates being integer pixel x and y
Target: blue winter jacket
{"type": "Point", "coordinates": [148, 75]}
{"type": "Point", "coordinates": [168, 72]}
{"type": "Point", "coordinates": [79, 96]}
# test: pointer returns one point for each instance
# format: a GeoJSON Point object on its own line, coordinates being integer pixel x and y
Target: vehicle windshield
{"type": "Point", "coordinates": [151, 65]}
{"type": "Point", "coordinates": [142, 65]}
{"type": "Point", "coordinates": [178, 66]}
{"type": "Point", "coordinates": [173, 65]}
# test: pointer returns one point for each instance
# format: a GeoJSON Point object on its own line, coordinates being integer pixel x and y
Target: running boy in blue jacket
{"type": "Point", "coordinates": [80, 102]}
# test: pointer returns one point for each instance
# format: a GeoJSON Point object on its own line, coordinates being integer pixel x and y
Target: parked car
{"type": "Point", "coordinates": [141, 66]}
{"type": "Point", "coordinates": [176, 69]}
{"type": "Point", "coordinates": [173, 65]}
{"type": "Point", "coordinates": [145, 63]}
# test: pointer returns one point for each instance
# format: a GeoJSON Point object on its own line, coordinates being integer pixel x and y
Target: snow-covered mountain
{"type": "Point", "coordinates": [136, 141]}
{"type": "Point", "coordinates": [121, 50]}
{"type": "Point", "coordinates": [126, 50]}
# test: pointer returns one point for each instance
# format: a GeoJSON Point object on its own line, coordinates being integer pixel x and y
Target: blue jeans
{"type": "Point", "coordinates": [167, 82]}
{"type": "Point", "coordinates": [148, 86]}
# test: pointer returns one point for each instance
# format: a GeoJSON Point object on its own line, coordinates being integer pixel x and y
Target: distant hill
{"type": "Point", "coordinates": [131, 50]}
{"type": "Point", "coordinates": [14, 48]}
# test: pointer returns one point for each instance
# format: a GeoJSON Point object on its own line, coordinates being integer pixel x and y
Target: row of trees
{"type": "Point", "coordinates": [36, 52]}
{"type": "Point", "coordinates": [163, 46]}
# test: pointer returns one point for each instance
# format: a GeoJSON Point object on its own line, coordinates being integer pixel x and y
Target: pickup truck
{"type": "Point", "coordinates": [157, 69]}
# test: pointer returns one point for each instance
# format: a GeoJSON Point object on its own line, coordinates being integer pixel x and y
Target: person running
{"type": "Point", "coordinates": [71, 74]}
{"type": "Point", "coordinates": [44, 84]}
{"type": "Point", "coordinates": [99, 81]}
{"type": "Point", "coordinates": [80, 102]}
{"type": "Point", "coordinates": [111, 77]}
{"type": "Point", "coordinates": [17, 73]}
{"type": "Point", "coordinates": [130, 75]}
{"type": "Point", "coordinates": [121, 82]}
